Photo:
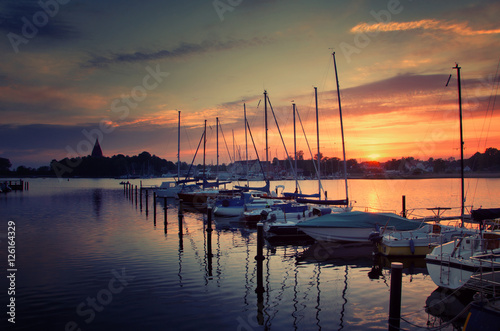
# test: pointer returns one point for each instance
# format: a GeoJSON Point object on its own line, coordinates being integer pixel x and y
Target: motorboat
{"type": "Point", "coordinates": [421, 241]}
{"type": "Point", "coordinates": [354, 226]}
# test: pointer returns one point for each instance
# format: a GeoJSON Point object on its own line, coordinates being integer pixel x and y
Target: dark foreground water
{"type": "Point", "coordinates": [88, 258]}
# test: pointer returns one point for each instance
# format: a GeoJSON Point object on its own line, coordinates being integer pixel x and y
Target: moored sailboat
{"type": "Point", "coordinates": [452, 264]}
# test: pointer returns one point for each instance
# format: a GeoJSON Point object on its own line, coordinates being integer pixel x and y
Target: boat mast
{"type": "Point", "coordinates": [295, 150]}
{"type": "Point", "coordinates": [341, 126]}
{"type": "Point", "coordinates": [179, 147]}
{"type": "Point", "coordinates": [317, 141]}
{"type": "Point", "coordinates": [267, 147]}
{"type": "Point", "coordinates": [461, 143]}
{"type": "Point", "coordinates": [204, 151]}
{"type": "Point", "coordinates": [246, 142]}
{"type": "Point", "coordinates": [217, 142]}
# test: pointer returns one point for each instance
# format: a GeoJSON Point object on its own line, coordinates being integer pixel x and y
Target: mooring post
{"type": "Point", "coordinates": [154, 203]}
{"type": "Point", "coordinates": [209, 219]}
{"type": "Point", "coordinates": [147, 202]}
{"type": "Point", "coordinates": [140, 193]}
{"type": "Point", "coordinates": [180, 216]}
{"type": "Point", "coordinates": [136, 196]}
{"type": "Point", "coordinates": [165, 208]}
{"type": "Point", "coordinates": [395, 296]}
{"type": "Point", "coordinates": [260, 258]}
{"type": "Point", "coordinates": [154, 207]}
{"type": "Point", "coordinates": [403, 201]}
{"type": "Point", "coordinates": [131, 193]}
{"type": "Point", "coordinates": [209, 240]}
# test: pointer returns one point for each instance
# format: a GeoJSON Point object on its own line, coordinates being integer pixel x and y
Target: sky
{"type": "Point", "coordinates": [72, 71]}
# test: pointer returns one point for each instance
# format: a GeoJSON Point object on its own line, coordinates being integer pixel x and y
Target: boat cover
{"type": "Point", "coordinates": [485, 214]}
{"type": "Point", "coordinates": [343, 202]}
{"type": "Point", "coordinates": [358, 219]}
{"type": "Point", "coordinates": [300, 195]}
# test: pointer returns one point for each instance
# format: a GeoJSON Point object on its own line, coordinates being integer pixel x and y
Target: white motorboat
{"type": "Point", "coordinates": [421, 241]}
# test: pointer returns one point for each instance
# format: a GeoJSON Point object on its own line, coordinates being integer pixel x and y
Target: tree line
{"type": "Point", "coordinates": [145, 164]}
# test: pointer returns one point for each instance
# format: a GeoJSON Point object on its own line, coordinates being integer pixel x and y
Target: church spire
{"type": "Point", "coordinates": [97, 152]}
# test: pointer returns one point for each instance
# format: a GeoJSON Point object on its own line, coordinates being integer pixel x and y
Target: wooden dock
{"type": "Point", "coordinates": [13, 185]}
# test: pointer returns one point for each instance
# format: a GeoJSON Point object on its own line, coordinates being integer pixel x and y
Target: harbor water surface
{"type": "Point", "coordinates": [88, 257]}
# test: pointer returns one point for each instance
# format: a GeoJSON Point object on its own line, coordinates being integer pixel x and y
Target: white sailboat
{"type": "Point", "coordinates": [452, 264]}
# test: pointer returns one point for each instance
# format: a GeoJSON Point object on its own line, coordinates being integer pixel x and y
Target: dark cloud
{"type": "Point", "coordinates": [184, 49]}
{"type": "Point", "coordinates": [13, 11]}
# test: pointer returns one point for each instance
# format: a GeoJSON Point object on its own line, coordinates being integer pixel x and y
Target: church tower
{"type": "Point", "coordinates": [97, 152]}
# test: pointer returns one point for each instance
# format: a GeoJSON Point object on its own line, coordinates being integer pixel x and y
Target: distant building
{"type": "Point", "coordinates": [97, 151]}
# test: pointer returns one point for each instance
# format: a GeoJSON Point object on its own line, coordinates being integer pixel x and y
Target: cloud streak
{"type": "Point", "coordinates": [184, 49]}
{"type": "Point", "coordinates": [426, 24]}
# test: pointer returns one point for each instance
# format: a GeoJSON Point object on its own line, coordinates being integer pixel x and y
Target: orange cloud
{"type": "Point", "coordinates": [427, 24]}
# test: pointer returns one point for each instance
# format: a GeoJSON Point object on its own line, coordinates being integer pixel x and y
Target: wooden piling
{"type": "Point", "coordinates": [209, 241]}
{"type": "Point", "coordinates": [140, 193]}
{"type": "Point", "coordinates": [209, 228]}
{"type": "Point", "coordinates": [154, 203]}
{"type": "Point", "coordinates": [395, 296]}
{"type": "Point", "coordinates": [136, 196]}
{"type": "Point", "coordinates": [260, 258]}
{"type": "Point", "coordinates": [403, 202]}
{"type": "Point", "coordinates": [154, 208]}
{"type": "Point", "coordinates": [165, 208]}
{"type": "Point", "coordinates": [180, 216]}
{"type": "Point", "coordinates": [147, 201]}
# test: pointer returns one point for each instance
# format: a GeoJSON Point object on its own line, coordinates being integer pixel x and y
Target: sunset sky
{"type": "Point", "coordinates": [71, 71]}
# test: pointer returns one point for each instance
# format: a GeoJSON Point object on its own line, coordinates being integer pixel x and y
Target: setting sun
{"type": "Point", "coordinates": [373, 157]}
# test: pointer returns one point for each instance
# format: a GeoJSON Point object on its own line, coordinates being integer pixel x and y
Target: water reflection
{"type": "Point", "coordinates": [182, 275]}
{"type": "Point", "coordinates": [97, 201]}
{"type": "Point", "coordinates": [448, 307]}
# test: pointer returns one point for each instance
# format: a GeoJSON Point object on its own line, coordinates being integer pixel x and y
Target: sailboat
{"type": "Point", "coordinates": [199, 198]}
{"type": "Point", "coordinates": [452, 264]}
{"type": "Point", "coordinates": [351, 226]}
{"type": "Point", "coordinates": [282, 224]}
{"type": "Point", "coordinates": [171, 188]}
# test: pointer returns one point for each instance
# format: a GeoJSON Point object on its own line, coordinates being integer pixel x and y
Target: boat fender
{"type": "Point", "coordinates": [225, 203]}
{"type": "Point", "coordinates": [412, 246]}
{"type": "Point", "coordinates": [298, 216]}
{"type": "Point", "coordinates": [273, 217]}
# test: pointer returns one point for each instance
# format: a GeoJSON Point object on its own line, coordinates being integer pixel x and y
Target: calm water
{"type": "Point", "coordinates": [88, 257]}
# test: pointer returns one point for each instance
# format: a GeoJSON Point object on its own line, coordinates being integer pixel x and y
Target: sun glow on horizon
{"type": "Point", "coordinates": [374, 157]}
